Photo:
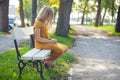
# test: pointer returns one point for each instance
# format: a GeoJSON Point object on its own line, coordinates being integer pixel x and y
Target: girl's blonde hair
{"type": "Point", "coordinates": [45, 15]}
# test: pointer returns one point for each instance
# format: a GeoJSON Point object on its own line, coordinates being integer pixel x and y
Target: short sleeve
{"type": "Point", "coordinates": [37, 24]}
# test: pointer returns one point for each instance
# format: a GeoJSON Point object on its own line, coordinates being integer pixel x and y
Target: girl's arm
{"type": "Point", "coordinates": [41, 39]}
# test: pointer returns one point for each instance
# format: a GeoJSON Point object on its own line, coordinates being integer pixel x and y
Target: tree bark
{"type": "Point", "coordinates": [84, 10]}
{"type": "Point", "coordinates": [97, 22]}
{"type": "Point", "coordinates": [102, 20]}
{"type": "Point", "coordinates": [113, 8]}
{"type": "Point", "coordinates": [117, 29]}
{"type": "Point", "coordinates": [21, 13]}
{"type": "Point", "coordinates": [4, 15]}
{"type": "Point", "coordinates": [64, 18]}
{"type": "Point", "coordinates": [83, 16]}
{"type": "Point", "coordinates": [34, 9]}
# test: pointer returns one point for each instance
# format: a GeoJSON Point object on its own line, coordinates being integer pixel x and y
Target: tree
{"type": "Point", "coordinates": [54, 4]}
{"type": "Point", "coordinates": [117, 29]}
{"type": "Point", "coordinates": [4, 15]}
{"type": "Point", "coordinates": [105, 5]}
{"type": "Point", "coordinates": [97, 22]}
{"type": "Point", "coordinates": [21, 13]}
{"type": "Point", "coordinates": [84, 10]}
{"type": "Point", "coordinates": [27, 9]}
{"type": "Point", "coordinates": [34, 10]}
{"type": "Point", "coordinates": [84, 7]}
{"type": "Point", "coordinates": [64, 18]}
{"type": "Point", "coordinates": [108, 6]}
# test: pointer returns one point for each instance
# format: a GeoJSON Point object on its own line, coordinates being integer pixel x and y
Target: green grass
{"type": "Point", "coordinates": [1, 33]}
{"type": "Point", "coordinates": [110, 29]}
{"type": "Point", "coordinates": [9, 69]}
{"type": "Point", "coordinates": [72, 31]}
{"type": "Point", "coordinates": [64, 40]}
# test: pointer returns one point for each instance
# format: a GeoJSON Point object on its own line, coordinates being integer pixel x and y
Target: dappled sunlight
{"type": "Point", "coordinates": [93, 36]}
{"type": "Point", "coordinates": [96, 68]}
{"type": "Point", "coordinates": [117, 40]}
{"type": "Point", "coordinates": [87, 33]}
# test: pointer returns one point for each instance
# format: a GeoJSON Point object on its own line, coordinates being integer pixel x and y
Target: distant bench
{"type": "Point", "coordinates": [35, 56]}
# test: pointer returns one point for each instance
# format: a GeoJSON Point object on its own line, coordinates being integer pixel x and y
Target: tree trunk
{"type": "Point", "coordinates": [4, 15]}
{"type": "Point", "coordinates": [64, 18]}
{"type": "Point", "coordinates": [97, 22]}
{"type": "Point", "coordinates": [101, 23]}
{"type": "Point", "coordinates": [55, 12]}
{"type": "Point", "coordinates": [84, 10]}
{"type": "Point", "coordinates": [117, 29]}
{"type": "Point", "coordinates": [21, 13]}
{"type": "Point", "coordinates": [82, 21]}
{"type": "Point", "coordinates": [113, 8]}
{"type": "Point", "coordinates": [34, 9]}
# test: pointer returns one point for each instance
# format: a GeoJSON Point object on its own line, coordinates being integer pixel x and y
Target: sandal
{"type": "Point", "coordinates": [48, 66]}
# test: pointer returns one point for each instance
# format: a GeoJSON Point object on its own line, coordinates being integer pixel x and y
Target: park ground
{"type": "Point", "coordinates": [98, 54]}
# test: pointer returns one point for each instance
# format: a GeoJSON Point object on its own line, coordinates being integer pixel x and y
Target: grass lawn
{"type": "Point", "coordinates": [1, 33]}
{"type": "Point", "coordinates": [110, 29]}
{"type": "Point", "coordinates": [9, 69]}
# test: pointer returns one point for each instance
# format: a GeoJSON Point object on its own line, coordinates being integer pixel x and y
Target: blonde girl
{"type": "Point", "coordinates": [42, 41]}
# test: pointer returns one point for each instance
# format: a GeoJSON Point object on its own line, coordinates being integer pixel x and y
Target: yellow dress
{"type": "Point", "coordinates": [57, 49]}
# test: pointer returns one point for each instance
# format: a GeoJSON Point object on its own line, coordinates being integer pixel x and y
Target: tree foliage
{"type": "Point", "coordinates": [27, 7]}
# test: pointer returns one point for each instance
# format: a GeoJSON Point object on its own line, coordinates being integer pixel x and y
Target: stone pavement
{"type": "Point", "coordinates": [98, 55]}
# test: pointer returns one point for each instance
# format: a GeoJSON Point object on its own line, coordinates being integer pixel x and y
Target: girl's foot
{"type": "Point", "coordinates": [48, 65]}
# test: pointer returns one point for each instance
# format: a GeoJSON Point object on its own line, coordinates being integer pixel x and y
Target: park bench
{"type": "Point", "coordinates": [34, 56]}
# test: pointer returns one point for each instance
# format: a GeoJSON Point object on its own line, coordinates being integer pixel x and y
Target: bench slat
{"type": "Point", "coordinates": [29, 55]}
{"type": "Point", "coordinates": [42, 55]}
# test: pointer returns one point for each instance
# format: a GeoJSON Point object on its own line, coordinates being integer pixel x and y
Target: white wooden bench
{"type": "Point", "coordinates": [35, 56]}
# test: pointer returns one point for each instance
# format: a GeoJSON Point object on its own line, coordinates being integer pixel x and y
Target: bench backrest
{"type": "Point", "coordinates": [19, 33]}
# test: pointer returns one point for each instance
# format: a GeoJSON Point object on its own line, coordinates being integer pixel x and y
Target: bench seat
{"type": "Point", "coordinates": [36, 54]}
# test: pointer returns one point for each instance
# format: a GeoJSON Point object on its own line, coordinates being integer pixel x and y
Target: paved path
{"type": "Point", "coordinates": [98, 55]}
{"type": "Point", "coordinates": [6, 41]}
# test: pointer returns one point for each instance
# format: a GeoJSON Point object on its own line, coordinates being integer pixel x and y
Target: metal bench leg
{"type": "Point", "coordinates": [40, 69]}
{"type": "Point", "coordinates": [21, 66]}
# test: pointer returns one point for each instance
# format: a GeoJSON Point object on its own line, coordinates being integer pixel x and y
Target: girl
{"type": "Point", "coordinates": [42, 41]}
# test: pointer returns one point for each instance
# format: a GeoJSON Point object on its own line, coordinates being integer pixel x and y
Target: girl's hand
{"type": "Point", "coordinates": [53, 41]}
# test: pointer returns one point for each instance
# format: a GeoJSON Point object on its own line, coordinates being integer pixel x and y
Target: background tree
{"type": "Point", "coordinates": [64, 18]}
{"type": "Point", "coordinates": [55, 5]}
{"type": "Point", "coordinates": [27, 9]}
{"type": "Point", "coordinates": [84, 10]}
{"type": "Point", "coordinates": [117, 29]}
{"type": "Point", "coordinates": [97, 21]}
{"type": "Point", "coordinates": [4, 15]}
{"type": "Point", "coordinates": [84, 7]}
{"type": "Point", "coordinates": [21, 13]}
{"type": "Point", "coordinates": [34, 11]}
{"type": "Point", "coordinates": [41, 3]}
{"type": "Point", "coordinates": [106, 4]}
